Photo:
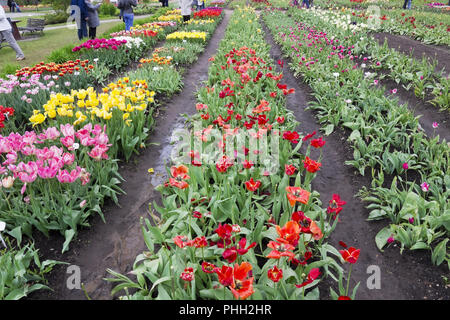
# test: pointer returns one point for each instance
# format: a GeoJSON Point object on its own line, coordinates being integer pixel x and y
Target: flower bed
{"type": "Point", "coordinates": [208, 13]}
{"type": "Point", "coordinates": [54, 177]}
{"type": "Point", "coordinates": [418, 75]}
{"type": "Point", "coordinates": [41, 170]}
{"type": "Point", "coordinates": [232, 224]}
{"type": "Point", "coordinates": [386, 137]}
{"type": "Point", "coordinates": [122, 107]}
{"type": "Point", "coordinates": [185, 35]}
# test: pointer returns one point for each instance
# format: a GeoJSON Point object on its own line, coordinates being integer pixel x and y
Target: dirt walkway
{"type": "Point", "coordinates": [418, 49]}
{"type": "Point", "coordinates": [407, 276]}
{"type": "Point", "coordinates": [116, 244]}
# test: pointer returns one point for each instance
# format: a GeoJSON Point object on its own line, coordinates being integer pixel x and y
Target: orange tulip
{"type": "Point", "coordinates": [295, 194]}
{"type": "Point", "coordinates": [242, 287]}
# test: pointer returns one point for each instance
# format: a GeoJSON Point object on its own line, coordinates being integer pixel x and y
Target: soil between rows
{"type": "Point", "coordinates": [407, 276]}
{"type": "Point", "coordinates": [116, 243]}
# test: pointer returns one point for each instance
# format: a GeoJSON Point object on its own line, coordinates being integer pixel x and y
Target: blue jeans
{"type": "Point", "coordinates": [409, 4]}
{"type": "Point", "coordinates": [306, 2]}
{"type": "Point", "coordinates": [82, 32]}
{"type": "Point", "coordinates": [128, 18]}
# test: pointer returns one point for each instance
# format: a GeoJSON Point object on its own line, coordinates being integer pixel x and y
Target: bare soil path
{"type": "Point", "coordinates": [116, 243]}
{"type": "Point", "coordinates": [407, 276]}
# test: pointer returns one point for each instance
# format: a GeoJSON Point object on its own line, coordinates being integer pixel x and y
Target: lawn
{"type": "Point", "coordinates": [38, 49]}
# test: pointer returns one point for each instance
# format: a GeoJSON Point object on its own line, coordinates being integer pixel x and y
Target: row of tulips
{"type": "Point", "coordinates": [386, 137]}
{"type": "Point", "coordinates": [420, 76]}
{"type": "Point", "coordinates": [238, 224]}
{"type": "Point", "coordinates": [78, 134]}
{"type": "Point", "coordinates": [427, 27]}
{"type": "Point", "coordinates": [33, 86]}
{"type": "Point", "coordinates": [58, 174]}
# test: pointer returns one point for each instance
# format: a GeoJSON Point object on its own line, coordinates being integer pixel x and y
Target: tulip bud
{"type": "Point", "coordinates": [7, 182]}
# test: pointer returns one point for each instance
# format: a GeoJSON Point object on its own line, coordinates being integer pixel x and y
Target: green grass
{"type": "Point", "coordinates": [37, 50]}
{"type": "Point", "coordinates": [23, 20]}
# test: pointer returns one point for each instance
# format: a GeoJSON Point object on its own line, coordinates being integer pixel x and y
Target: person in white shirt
{"type": "Point", "coordinates": [6, 33]}
{"type": "Point", "coordinates": [185, 6]}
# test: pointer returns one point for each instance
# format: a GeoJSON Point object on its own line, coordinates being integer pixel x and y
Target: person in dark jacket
{"type": "Point", "coordinates": [407, 4]}
{"type": "Point", "coordinates": [12, 8]}
{"type": "Point", "coordinates": [93, 19]}
{"type": "Point", "coordinates": [126, 7]}
{"type": "Point", "coordinates": [80, 14]}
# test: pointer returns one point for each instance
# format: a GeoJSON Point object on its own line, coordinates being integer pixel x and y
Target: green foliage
{"type": "Point", "coordinates": [63, 54]}
{"type": "Point", "coordinates": [108, 9]}
{"type": "Point", "coordinates": [55, 18]}
{"type": "Point", "coordinates": [9, 68]}
{"type": "Point", "coordinates": [21, 272]}
{"type": "Point", "coordinates": [58, 5]}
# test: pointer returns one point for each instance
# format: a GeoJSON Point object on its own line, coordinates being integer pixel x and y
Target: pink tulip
{"type": "Point", "coordinates": [425, 187]}
{"type": "Point", "coordinates": [67, 130]}
{"type": "Point", "coordinates": [47, 172]}
{"type": "Point", "coordinates": [99, 152]}
{"type": "Point", "coordinates": [68, 158]}
{"type": "Point", "coordinates": [65, 177]}
{"type": "Point", "coordinates": [51, 133]}
{"type": "Point", "coordinates": [68, 141]}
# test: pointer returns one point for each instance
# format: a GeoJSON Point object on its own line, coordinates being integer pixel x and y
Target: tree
{"type": "Point", "coordinates": [58, 5]}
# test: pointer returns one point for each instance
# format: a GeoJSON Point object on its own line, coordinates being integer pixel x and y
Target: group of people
{"type": "Point", "coordinates": [85, 14]}
{"type": "Point", "coordinates": [305, 3]}
{"type": "Point", "coordinates": [13, 6]}
{"type": "Point", "coordinates": [186, 7]}
{"type": "Point", "coordinates": [407, 4]}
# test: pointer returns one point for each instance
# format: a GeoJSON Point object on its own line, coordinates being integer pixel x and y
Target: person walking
{"type": "Point", "coordinates": [10, 5]}
{"type": "Point", "coordinates": [305, 2]}
{"type": "Point", "coordinates": [93, 19]}
{"type": "Point", "coordinates": [80, 14]}
{"type": "Point", "coordinates": [16, 6]}
{"type": "Point", "coordinates": [185, 6]}
{"type": "Point", "coordinates": [6, 33]}
{"type": "Point", "coordinates": [127, 12]}
{"type": "Point", "coordinates": [407, 4]}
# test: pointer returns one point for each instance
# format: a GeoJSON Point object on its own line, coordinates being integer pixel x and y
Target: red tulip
{"type": "Point", "coordinates": [252, 185]}
{"type": "Point", "coordinates": [275, 274]}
